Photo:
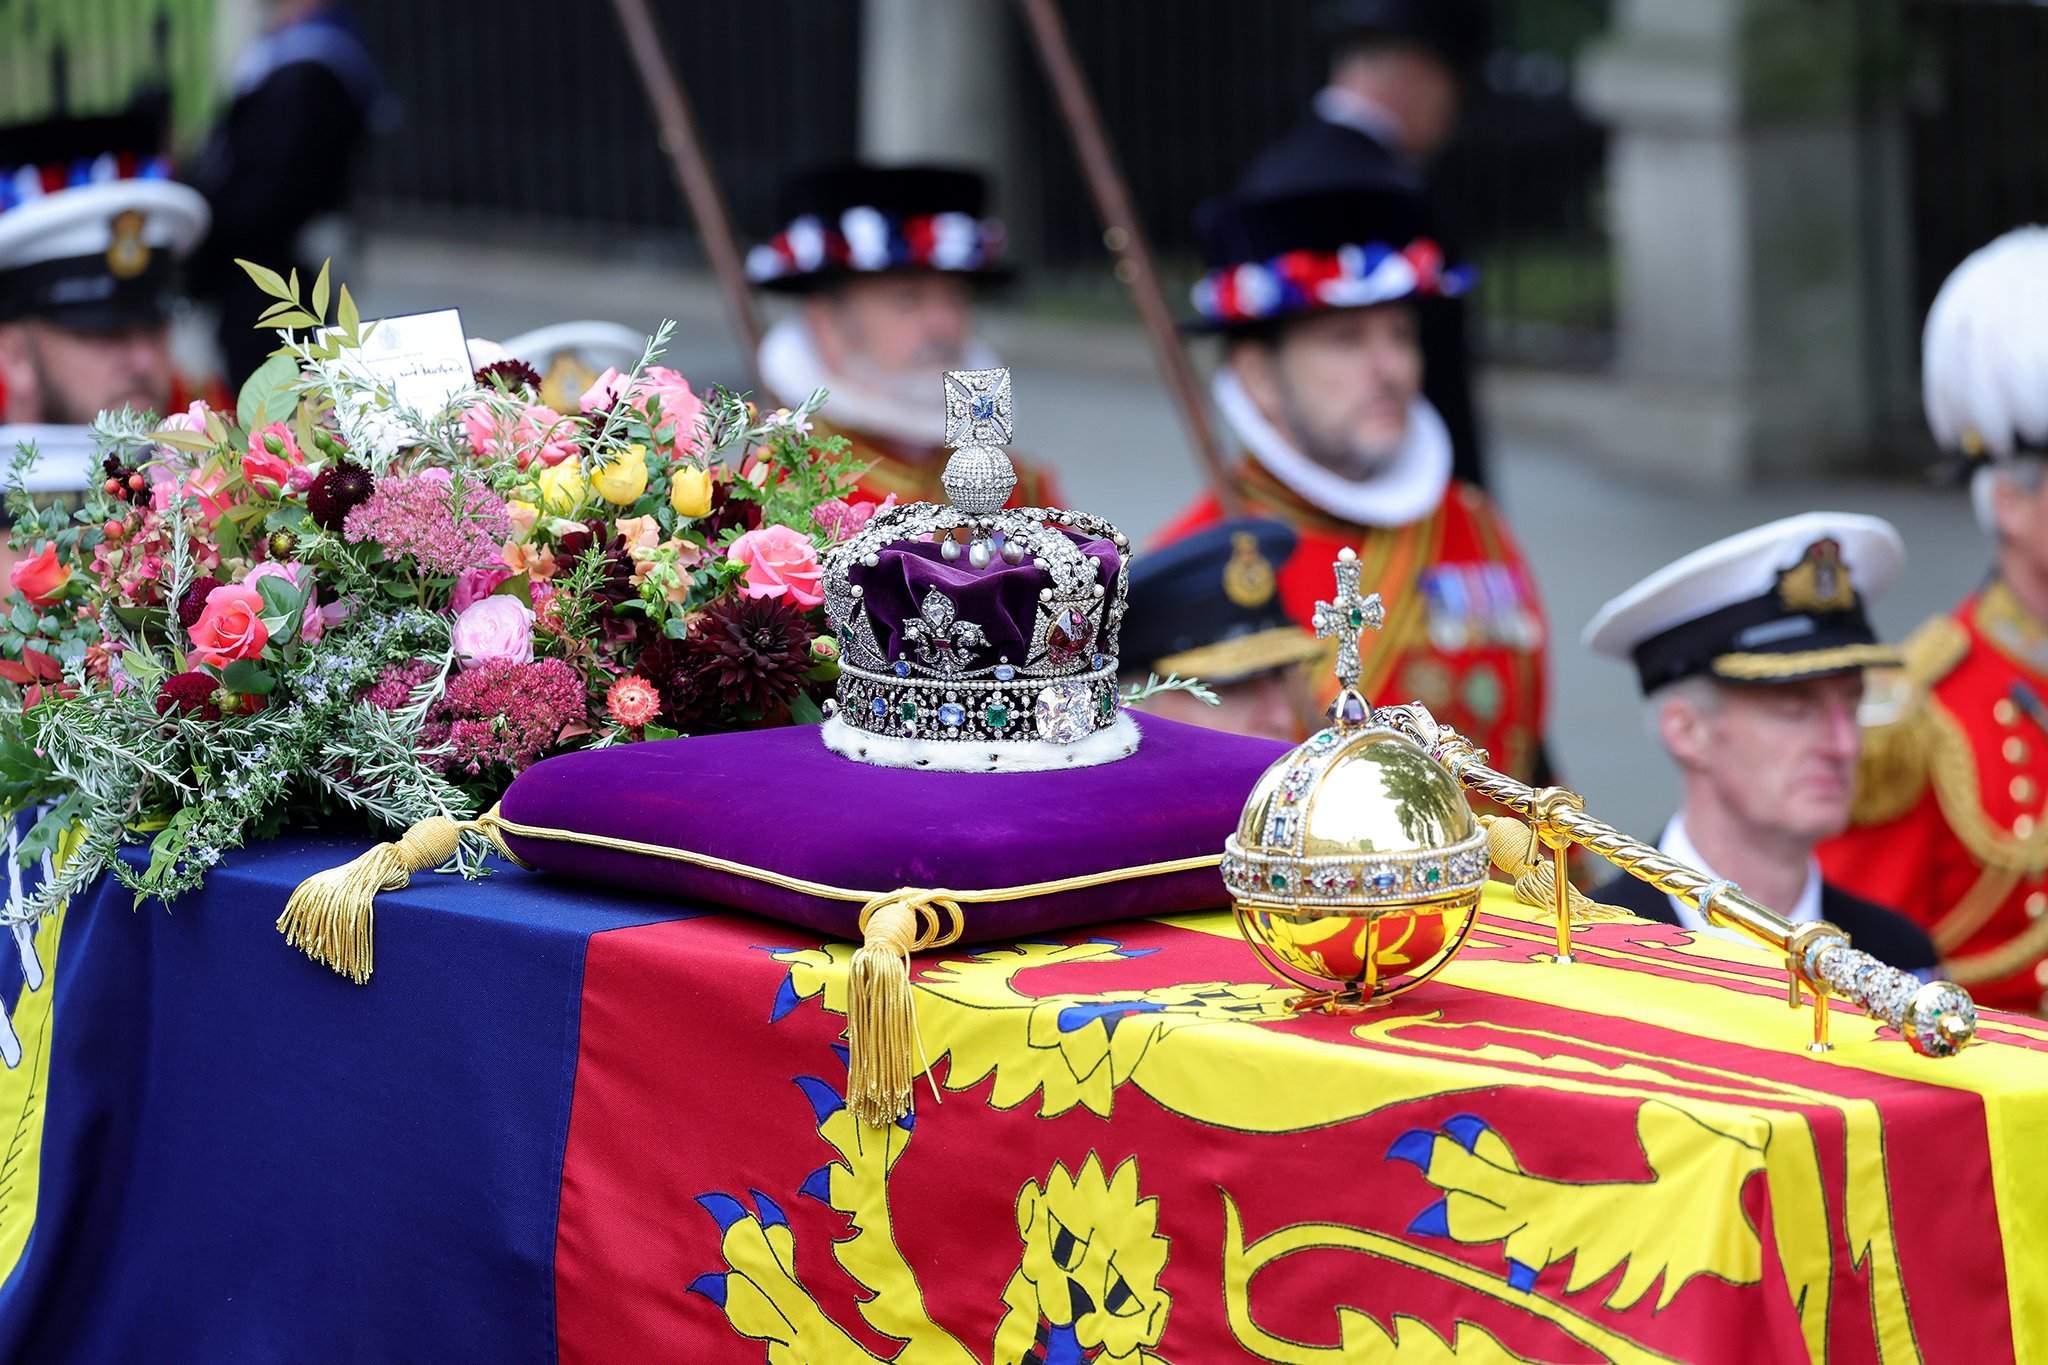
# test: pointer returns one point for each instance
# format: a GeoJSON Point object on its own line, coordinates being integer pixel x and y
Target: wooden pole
{"type": "Point", "coordinates": [1125, 236]}
{"type": "Point", "coordinates": [685, 148]}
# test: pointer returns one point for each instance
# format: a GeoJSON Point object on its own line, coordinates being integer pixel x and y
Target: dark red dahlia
{"type": "Point", "coordinates": [749, 654]}
{"type": "Point", "coordinates": [727, 510]}
{"type": "Point", "coordinates": [190, 694]}
{"type": "Point", "coordinates": [336, 492]}
{"type": "Point", "coordinates": [511, 375]}
{"type": "Point", "coordinates": [193, 604]}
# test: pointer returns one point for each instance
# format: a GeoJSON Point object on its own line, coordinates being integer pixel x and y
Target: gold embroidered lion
{"type": "Point", "coordinates": [1086, 1285]}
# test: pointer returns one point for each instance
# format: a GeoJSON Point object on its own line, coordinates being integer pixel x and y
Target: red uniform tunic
{"type": "Point", "coordinates": [1950, 827]}
{"type": "Point", "coordinates": [918, 480]}
{"type": "Point", "coordinates": [1464, 632]}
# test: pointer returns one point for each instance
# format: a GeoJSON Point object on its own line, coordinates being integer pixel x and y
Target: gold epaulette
{"type": "Point", "coordinates": [1901, 729]}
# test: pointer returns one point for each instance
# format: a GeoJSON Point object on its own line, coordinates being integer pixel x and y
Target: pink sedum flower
{"type": "Point", "coordinates": [841, 519]}
{"type": "Point", "coordinates": [780, 562]}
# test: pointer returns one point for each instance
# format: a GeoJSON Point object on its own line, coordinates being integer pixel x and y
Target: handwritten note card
{"type": "Point", "coordinates": [422, 356]}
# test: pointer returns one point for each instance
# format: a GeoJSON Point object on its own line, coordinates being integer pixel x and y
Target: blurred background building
{"type": "Point", "coordinates": [1707, 229]}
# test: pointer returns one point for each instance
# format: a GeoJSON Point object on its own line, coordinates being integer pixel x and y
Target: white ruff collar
{"type": "Point", "coordinates": [793, 370]}
{"type": "Point", "coordinates": [1407, 489]}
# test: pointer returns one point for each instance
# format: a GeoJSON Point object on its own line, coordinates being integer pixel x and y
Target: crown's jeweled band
{"type": "Point", "coordinates": [1062, 710]}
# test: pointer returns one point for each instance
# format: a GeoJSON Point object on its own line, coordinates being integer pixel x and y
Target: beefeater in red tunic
{"type": "Point", "coordinates": [1950, 825]}
{"type": "Point", "coordinates": [1316, 298]}
{"type": "Point", "coordinates": [886, 261]}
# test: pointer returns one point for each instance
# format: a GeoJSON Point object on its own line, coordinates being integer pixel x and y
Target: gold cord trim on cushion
{"type": "Point", "coordinates": [329, 918]}
{"type": "Point", "coordinates": [1801, 663]}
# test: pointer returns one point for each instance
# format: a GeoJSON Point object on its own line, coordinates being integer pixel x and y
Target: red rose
{"type": "Point", "coordinates": [40, 578]}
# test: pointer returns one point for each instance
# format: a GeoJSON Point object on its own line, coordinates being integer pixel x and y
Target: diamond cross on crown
{"type": "Point", "coordinates": [978, 408]}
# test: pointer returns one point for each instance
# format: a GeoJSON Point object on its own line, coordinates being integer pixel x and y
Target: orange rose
{"type": "Point", "coordinates": [40, 578]}
{"type": "Point", "coordinates": [230, 627]}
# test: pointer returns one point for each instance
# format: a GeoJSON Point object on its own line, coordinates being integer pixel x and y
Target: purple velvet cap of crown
{"type": "Point", "coordinates": [779, 800]}
{"type": "Point", "coordinates": [1002, 599]}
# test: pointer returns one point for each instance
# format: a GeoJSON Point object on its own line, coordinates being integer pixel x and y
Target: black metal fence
{"type": "Point", "coordinates": [522, 117]}
{"type": "Point", "coordinates": [1976, 127]}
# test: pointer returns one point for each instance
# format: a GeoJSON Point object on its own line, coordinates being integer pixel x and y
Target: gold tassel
{"type": "Point", "coordinates": [882, 1043]}
{"type": "Point", "coordinates": [330, 916]}
{"type": "Point", "coordinates": [1517, 851]}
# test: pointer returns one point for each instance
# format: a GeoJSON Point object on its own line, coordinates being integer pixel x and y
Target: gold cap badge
{"type": "Point", "coordinates": [127, 253]}
{"type": "Point", "coordinates": [1248, 576]}
{"type": "Point", "coordinates": [1819, 581]}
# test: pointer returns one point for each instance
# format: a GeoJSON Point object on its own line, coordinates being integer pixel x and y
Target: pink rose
{"type": "Point", "coordinates": [681, 409]}
{"type": "Point", "coordinates": [604, 392]}
{"type": "Point", "coordinates": [494, 630]}
{"type": "Point", "coordinates": [537, 434]}
{"type": "Point", "coordinates": [273, 455]}
{"type": "Point", "coordinates": [779, 561]}
{"type": "Point", "coordinates": [40, 577]}
{"type": "Point", "coordinates": [191, 419]}
{"type": "Point", "coordinates": [474, 585]}
{"type": "Point", "coordinates": [230, 626]}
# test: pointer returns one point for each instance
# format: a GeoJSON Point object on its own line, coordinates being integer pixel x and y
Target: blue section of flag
{"type": "Point", "coordinates": [202, 1195]}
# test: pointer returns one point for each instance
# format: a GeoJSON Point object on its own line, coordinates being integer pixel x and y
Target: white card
{"type": "Point", "coordinates": [423, 357]}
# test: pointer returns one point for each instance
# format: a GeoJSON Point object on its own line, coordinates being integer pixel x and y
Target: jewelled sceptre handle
{"type": "Point", "coordinates": [1936, 1018]}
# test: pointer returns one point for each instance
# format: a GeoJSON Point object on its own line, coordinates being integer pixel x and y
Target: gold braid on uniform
{"type": "Point", "coordinates": [1898, 750]}
{"type": "Point", "coordinates": [1953, 767]}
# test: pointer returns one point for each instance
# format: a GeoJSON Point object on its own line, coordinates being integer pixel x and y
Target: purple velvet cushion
{"type": "Point", "coordinates": [779, 800]}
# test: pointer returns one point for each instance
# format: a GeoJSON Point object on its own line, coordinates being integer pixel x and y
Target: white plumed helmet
{"type": "Point", "coordinates": [1984, 354]}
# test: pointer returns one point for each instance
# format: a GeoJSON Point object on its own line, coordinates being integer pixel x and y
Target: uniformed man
{"type": "Point", "coordinates": [1752, 654]}
{"type": "Point", "coordinates": [886, 261]}
{"type": "Point", "coordinates": [1316, 299]}
{"type": "Point", "coordinates": [1949, 823]}
{"type": "Point", "coordinates": [281, 162]}
{"type": "Point", "coordinates": [1208, 607]}
{"type": "Point", "coordinates": [1399, 73]}
{"type": "Point", "coordinates": [91, 233]}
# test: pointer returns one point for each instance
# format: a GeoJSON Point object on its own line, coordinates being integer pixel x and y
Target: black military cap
{"type": "Point", "coordinates": [1208, 606]}
{"type": "Point", "coordinates": [1459, 32]}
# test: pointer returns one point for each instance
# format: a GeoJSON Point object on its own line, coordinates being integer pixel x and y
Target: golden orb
{"type": "Point", "coordinates": [1356, 866]}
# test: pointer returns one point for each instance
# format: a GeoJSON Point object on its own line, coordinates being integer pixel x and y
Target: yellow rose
{"type": "Point", "coordinates": [689, 491]}
{"type": "Point", "coordinates": [562, 487]}
{"type": "Point", "coordinates": [625, 478]}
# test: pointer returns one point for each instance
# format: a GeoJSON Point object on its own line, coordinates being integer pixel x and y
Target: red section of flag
{"type": "Point", "coordinates": [689, 1109]}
